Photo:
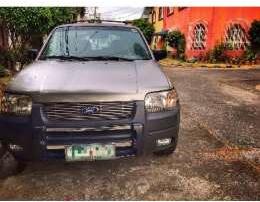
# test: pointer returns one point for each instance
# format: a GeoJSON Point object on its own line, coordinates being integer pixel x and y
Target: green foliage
{"type": "Point", "coordinates": [176, 40]}
{"type": "Point", "coordinates": [217, 54]}
{"type": "Point", "coordinates": [146, 27]}
{"type": "Point", "coordinates": [25, 22]}
{"type": "Point", "coordinates": [35, 19]}
{"type": "Point", "coordinates": [29, 24]}
{"type": "Point", "coordinates": [2, 71]}
{"type": "Point", "coordinates": [254, 36]}
{"type": "Point", "coordinates": [249, 55]}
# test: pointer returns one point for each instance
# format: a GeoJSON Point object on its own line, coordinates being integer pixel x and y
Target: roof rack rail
{"type": "Point", "coordinates": [100, 21]}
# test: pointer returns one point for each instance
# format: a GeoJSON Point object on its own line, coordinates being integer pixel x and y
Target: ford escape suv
{"type": "Point", "coordinates": [93, 92]}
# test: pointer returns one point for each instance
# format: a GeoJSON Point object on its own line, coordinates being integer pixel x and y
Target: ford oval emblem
{"type": "Point", "coordinates": [88, 110]}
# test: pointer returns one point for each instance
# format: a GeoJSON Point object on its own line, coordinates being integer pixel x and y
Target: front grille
{"type": "Point", "coordinates": [123, 136]}
{"type": "Point", "coordinates": [78, 112]}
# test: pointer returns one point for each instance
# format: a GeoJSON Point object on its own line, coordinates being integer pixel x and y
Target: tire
{"type": "Point", "coordinates": [168, 151]}
{"type": "Point", "coordinates": [8, 164]}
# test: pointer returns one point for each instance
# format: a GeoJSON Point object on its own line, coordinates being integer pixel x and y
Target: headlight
{"type": "Point", "coordinates": [20, 105]}
{"type": "Point", "coordinates": [161, 101]}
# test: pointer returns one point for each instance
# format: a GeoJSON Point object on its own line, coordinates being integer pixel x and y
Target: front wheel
{"type": "Point", "coordinates": [8, 164]}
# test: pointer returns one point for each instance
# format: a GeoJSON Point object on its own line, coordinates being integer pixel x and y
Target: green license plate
{"type": "Point", "coordinates": [90, 152]}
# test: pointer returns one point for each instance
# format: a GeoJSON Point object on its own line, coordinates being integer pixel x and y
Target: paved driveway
{"type": "Point", "coordinates": [216, 158]}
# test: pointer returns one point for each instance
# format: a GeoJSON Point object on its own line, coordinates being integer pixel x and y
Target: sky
{"type": "Point", "coordinates": [120, 13]}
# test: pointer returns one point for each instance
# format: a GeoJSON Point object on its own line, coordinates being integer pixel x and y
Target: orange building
{"type": "Point", "coordinates": [204, 27]}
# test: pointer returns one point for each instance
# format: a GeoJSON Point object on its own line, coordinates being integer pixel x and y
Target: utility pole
{"type": "Point", "coordinates": [95, 13]}
{"type": "Point", "coordinates": [92, 13]}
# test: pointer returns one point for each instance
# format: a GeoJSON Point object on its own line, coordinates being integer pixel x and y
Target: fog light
{"type": "Point", "coordinates": [163, 142]}
{"type": "Point", "coordinates": [15, 147]}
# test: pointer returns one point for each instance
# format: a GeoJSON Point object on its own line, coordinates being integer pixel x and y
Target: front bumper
{"type": "Point", "coordinates": [41, 139]}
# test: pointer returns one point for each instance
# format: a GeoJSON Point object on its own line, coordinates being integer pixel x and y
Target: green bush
{"type": "Point", "coordinates": [249, 55]}
{"type": "Point", "coordinates": [146, 27]}
{"type": "Point", "coordinates": [9, 57]}
{"type": "Point", "coordinates": [5, 57]}
{"type": "Point", "coordinates": [217, 54]}
{"type": "Point", "coordinates": [254, 36]}
{"type": "Point", "coordinates": [2, 71]}
{"type": "Point", "coordinates": [176, 40]}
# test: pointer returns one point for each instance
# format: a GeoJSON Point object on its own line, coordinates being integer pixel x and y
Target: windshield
{"type": "Point", "coordinates": [96, 43]}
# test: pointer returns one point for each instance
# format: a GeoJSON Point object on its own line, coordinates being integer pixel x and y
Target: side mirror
{"type": "Point", "coordinates": [32, 53]}
{"type": "Point", "coordinates": [159, 54]}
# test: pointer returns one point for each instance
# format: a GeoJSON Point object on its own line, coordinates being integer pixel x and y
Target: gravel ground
{"type": "Point", "coordinates": [224, 101]}
{"type": "Point", "coordinates": [219, 137]}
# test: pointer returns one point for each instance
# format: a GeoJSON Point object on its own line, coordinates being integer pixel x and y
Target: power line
{"type": "Point", "coordinates": [115, 11]}
{"type": "Point", "coordinates": [133, 13]}
{"type": "Point", "coordinates": [111, 14]}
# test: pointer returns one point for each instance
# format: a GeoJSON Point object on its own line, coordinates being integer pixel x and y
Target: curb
{"type": "Point", "coordinates": [209, 66]}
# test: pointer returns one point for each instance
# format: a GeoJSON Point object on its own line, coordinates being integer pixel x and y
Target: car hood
{"type": "Point", "coordinates": [102, 80]}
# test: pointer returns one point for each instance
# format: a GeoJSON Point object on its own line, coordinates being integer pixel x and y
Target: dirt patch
{"type": "Point", "coordinates": [186, 188]}
{"type": "Point", "coordinates": [3, 83]}
{"type": "Point", "coordinates": [229, 154]}
{"type": "Point", "coordinates": [257, 87]}
{"type": "Point", "coordinates": [249, 84]}
{"type": "Point", "coordinates": [240, 94]}
{"type": "Point", "coordinates": [1, 89]}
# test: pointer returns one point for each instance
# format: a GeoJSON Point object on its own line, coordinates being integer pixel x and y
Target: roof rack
{"type": "Point", "coordinates": [100, 21]}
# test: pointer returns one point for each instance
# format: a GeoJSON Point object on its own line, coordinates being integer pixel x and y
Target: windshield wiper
{"type": "Point", "coordinates": [115, 58]}
{"type": "Point", "coordinates": [66, 57]}
{"type": "Point", "coordinates": [93, 58]}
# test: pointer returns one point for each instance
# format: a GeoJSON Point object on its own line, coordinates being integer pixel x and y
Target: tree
{"type": "Point", "coordinates": [23, 23]}
{"type": "Point", "coordinates": [29, 24]}
{"type": "Point", "coordinates": [176, 40]}
{"type": "Point", "coordinates": [146, 27]}
{"type": "Point", "coordinates": [254, 36]}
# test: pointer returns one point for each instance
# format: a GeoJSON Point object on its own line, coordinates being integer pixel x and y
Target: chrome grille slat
{"type": "Point", "coordinates": [75, 108]}
{"type": "Point", "coordinates": [95, 129]}
{"type": "Point", "coordinates": [77, 111]}
{"type": "Point", "coordinates": [72, 111]}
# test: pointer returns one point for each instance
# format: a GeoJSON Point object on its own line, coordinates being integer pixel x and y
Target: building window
{"type": "Point", "coordinates": [170, 11]}
{"type": "Point", "coordinates": [153, 17]}
{"type": "Point", "coordinates": [199, 37]}
{"type": "Point", "coordinates": [236, 37]}
{"type": "Point", "coordinates": [160, 16]}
